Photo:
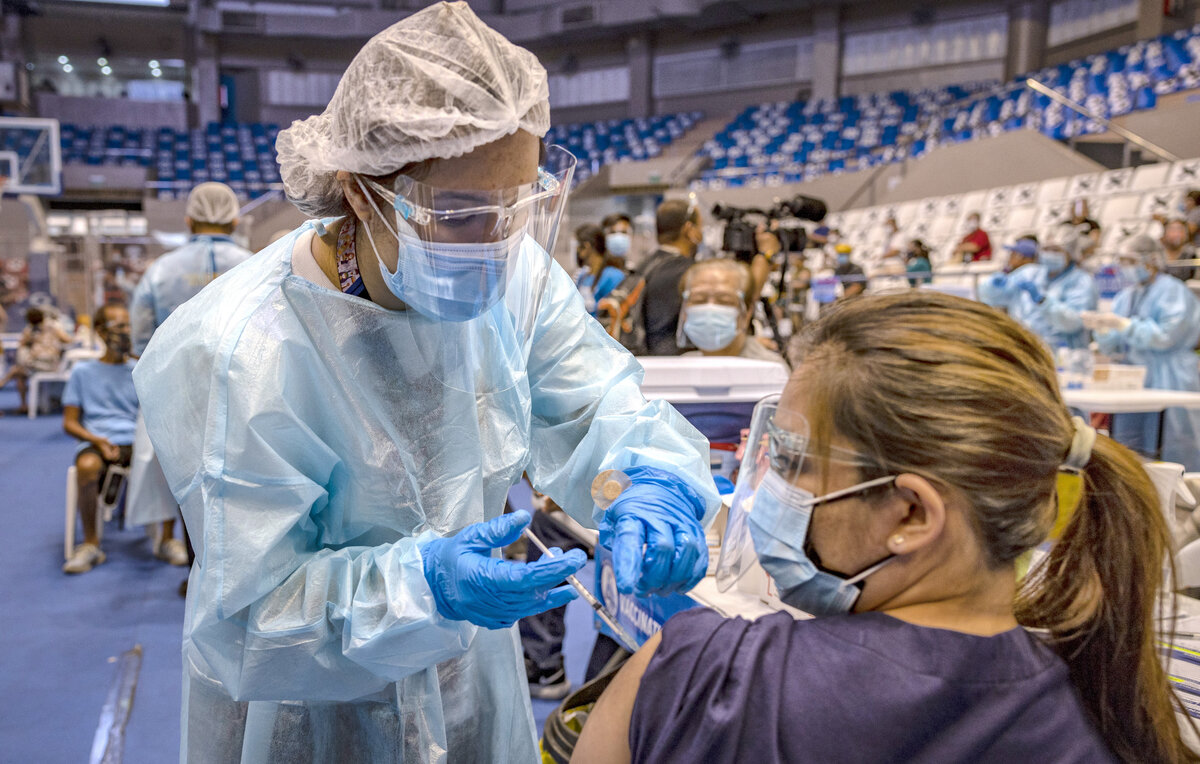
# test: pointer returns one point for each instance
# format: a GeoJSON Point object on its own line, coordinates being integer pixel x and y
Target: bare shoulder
{"type": "Point", "coordinates": [605, 737]}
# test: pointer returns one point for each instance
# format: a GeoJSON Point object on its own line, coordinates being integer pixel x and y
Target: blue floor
{"type": "Point", "coordinates": [63, 633]}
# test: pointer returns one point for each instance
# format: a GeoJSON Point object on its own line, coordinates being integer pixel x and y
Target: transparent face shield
{"type": "Point", "coordinates": [473, 267]}
{"type": "Point", "coordinates": [460, 249]}
{"type": "Point", "coordinates": [776, 459]}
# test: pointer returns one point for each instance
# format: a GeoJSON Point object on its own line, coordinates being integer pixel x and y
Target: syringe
{"type": "Point", "coordinates": [621, 634]}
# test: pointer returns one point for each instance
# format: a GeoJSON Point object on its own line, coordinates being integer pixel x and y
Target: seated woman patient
{"type": "Point", "coordinates": [919, 451]}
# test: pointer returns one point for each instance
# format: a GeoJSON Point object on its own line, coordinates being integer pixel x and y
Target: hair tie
{"type": "Point", "coordinates": [1069, 483]}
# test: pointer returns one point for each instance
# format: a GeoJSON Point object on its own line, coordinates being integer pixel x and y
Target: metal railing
{"type": "Point", "coordinates": [1128, 135]}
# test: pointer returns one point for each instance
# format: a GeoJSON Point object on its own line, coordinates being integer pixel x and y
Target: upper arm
{"type": "Point", "coordinates": [605, 736]}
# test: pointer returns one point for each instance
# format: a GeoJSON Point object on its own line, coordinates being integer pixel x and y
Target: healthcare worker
{"type": "Point", "coordinates": [342, 417]}
{"type": "Point", "coordinates": [1155, 322]}
{"type": "Point", "coordinates": [878, 493]}
{"type": "Point", "coordinates": [179, 275]}
{"type": "Point", "coordinates": [170, 281]}
{"type": "Point", "coordinates": [1048, 296]}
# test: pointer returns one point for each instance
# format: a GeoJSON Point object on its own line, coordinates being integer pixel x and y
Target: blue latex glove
{"type": "Point", "coordinates": [470, 585]}
{"type": "Point", "coordinates": [661, 513]}
{"type": "Point", "coordinates": [999, 280]}
{"type": "Point", "coordinates": [1031, 289]}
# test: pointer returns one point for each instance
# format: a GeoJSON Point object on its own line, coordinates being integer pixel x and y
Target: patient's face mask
{"type": "Point", "coordinates": [711, 327]}
{"type": "Point", "coordinates": [119, 342]}
{"type": "Point", "coordinates": [771, 517]}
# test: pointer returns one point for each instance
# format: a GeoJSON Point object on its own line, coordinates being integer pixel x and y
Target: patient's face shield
{"type": "Point", "coordinates": [780, 441]}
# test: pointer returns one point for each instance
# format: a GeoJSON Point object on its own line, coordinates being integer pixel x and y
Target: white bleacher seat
{"type": "Point", "coordinates": [1163, 202]}
{"type": "Point", "coordinates": [1150, 177]}
{"type": "Point", "coordinates": [1024, 194]}
{"type": "Point", "coordinates": [973, 201]}
{"type": "Point", "coordinates": [1001, 196]}
{"type": "Point", "coordinates": [952, 206]}
{"type": "Point", "coordinates": [1021, 219]}
{"type": "Point", "coordinates": [930, 208]}
{"type": "Point", "coordinates": [995, 220]}
{"type": "Point", "coordinates": [907, 214]}
{"type": "Point", "coordinates": [1052, 214]}
{"type": "Point", "coordinates": [1116, 232]}
{"type": "Point", "coordinates": [1083, 186]}
{"type": "Point", "coordinates": [1118, 207]}
{"type": "Point", "coordinates": [1185, 172]}
{"type": "Point", "coordinates": [1053, 190]}
{"type": "Point", "coordinates": [1115, 181]}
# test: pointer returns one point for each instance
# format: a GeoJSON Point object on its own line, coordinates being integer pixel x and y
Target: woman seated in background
{"type": "Point", "coordinates": [39, 349]}
{"type": "Point", "coordinates": [600, 273]}
{"type": "Point", "coordinates": [920, 450]}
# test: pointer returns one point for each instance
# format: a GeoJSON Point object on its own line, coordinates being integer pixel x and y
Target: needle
{"type": "Point", "coordinates": [621, 634]}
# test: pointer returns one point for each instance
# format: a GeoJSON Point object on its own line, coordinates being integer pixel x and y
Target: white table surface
{"type": "Point", "coordinates": [1129, 401]}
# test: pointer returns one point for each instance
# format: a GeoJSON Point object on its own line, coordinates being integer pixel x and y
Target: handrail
{"type": "Point", "coordinates": [276, 192]}
{"type": "Point", "coordinates": [1128, 135]}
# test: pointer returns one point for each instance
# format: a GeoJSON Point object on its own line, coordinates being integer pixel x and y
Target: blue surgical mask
{"type": "Point", "coordinates": [1134, 275]}
{"type": "Point", "coordinates": [450, 282]}
{"type": "Point", "coordinates": [842, 259]}
{"type": "Point", "coordinates": [779, 523]}
{"type": "Point", "coordinates": [711, 327]}
{"type": "Point", "coordinates": [617, 243]}
{"type": "Point", "coordinates": [1055, 262]}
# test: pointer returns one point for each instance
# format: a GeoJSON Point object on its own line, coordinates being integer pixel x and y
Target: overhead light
{"type": "Point", "coordinates": [156, 72]}
{"type": "Point", "coordinates": [153, 64]}
{"type": "Point", "coordinates": [102, 61]}
{"type": "Point", "coordinates": [63, 60]}
{"type": "Point", "coordinates": [68, 68]}
{"type": "Point", "coordinates": [106, 70]}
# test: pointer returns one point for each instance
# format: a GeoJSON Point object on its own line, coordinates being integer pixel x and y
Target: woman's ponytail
{"type": "Point", "coordinates": [1097, 595]}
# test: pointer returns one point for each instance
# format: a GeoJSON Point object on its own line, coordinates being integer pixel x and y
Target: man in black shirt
{"type": "Point", "coordinates": [679, 235]}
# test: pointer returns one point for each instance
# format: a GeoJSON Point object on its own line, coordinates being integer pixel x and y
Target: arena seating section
{"type": "Point", "coordinates": [244, 155]}
{"type": "Point", "coordinates": [769, 144]}
{"type": "Point", "coordinates": [777, 143]}
{"type": "Point", "coordinates": [1124, 201]}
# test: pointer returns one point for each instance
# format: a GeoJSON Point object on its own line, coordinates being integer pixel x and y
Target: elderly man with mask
{"type": "Point", "coordinates": [1155, 322]}
{"type": "Point", "coordinates": [341, 420]}
{"type": "Point", "coordinates": [717, 312]}
{"type": "Point", "coordinates": [1049, 295]}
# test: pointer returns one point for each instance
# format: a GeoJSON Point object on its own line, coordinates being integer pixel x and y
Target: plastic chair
{"type": "Point", "coordinates": [105, 508]}
{"type": "Point", "coordinates": [61, 374]}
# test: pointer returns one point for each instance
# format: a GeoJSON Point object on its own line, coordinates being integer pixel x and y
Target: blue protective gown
{"type": "Point", "coordinates": [175, 278]}
{"type": "Point", "coordinates": [315, 440]}
{"type": "Point", "coordinates": [170, 281]}
{"type": "Point", "coordinates": [1056, 319]}
{"type": "Point", "coordinates": [1162, 336]}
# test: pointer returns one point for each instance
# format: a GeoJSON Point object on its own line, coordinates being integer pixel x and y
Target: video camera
{"type": "Point", "coordinates": [738, 237]}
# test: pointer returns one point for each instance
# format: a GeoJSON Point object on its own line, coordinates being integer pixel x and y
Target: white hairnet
{"type": "Point", "coordinates": [438, 84]}
{"type": "Point", "coordinates": [1145, 248]}
{"type": "Point", "coordinates": [212, 203]}
{"type": "Point", "coordinates": [1068, 238]}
